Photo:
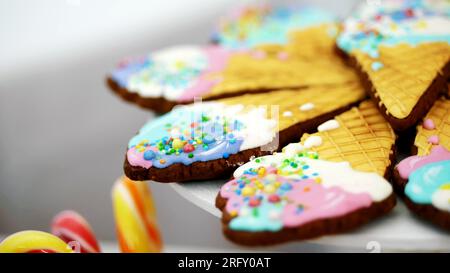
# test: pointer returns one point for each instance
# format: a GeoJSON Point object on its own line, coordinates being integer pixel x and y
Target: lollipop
{"type": "Point", "coordinates": [135, 216]}
{"type": "Point", "coordinates": [32, 241]}
{"type": "Point", "coordinates": [72, 227]}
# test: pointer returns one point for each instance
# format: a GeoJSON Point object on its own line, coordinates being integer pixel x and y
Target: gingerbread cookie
{"type": "Point", "coordinates": [424, 178]}
{"type": "Point", "coordinates": [210, 139]}
{"type": "Point", "coordinates": [253, 25]}
{"type": "Point", "coordinates": [180, 74]}
{"type": "Point", "coordinates": [401, 50]}
{"type": "Point", "coordinates": [332, 181]}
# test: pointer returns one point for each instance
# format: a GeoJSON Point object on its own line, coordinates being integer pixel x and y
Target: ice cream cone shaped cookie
{"type": "Point", "coordinates": [331, 182]}
{"type": "Point", "coordinates": [179, 74]}
{"type": "Point", "coordinates": [135, 215]}
{"type": "Point", "coordinates": [424, 178]}
{"type": "Point", "coordinates": [402, 52]}
{"type": "Point", "coordinates": [210, 139]}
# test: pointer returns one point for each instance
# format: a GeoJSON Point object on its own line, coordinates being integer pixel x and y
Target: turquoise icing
{"type": "Point", "coordinates": [258, 218]}
{"type": "Point", "coordinates": [425, 181]}
{"type": "Point", "coordinates": [368, 40]}
{"type": "Point", "coordinates": [193, 126]}
{"type": "Point", "coordinates": [376, 66]}
{"type": "Point", "coordinates": [268, 28]}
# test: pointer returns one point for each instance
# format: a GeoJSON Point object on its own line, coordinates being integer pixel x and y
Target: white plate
{"type": "Point", "coordinates": [398, 231]}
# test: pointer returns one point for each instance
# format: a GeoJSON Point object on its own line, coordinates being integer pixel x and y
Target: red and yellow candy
{"type": "Point", "coordinates": [72, 227]}
{"type": "Point", "coordinates": [135, 216]}
{"type": "Point", "coordinates": [32, 241]}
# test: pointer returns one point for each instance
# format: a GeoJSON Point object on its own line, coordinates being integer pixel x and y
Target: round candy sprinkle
{"type": "Point", "coordinates": [269, 188]}
{"type": "Point", "coordinates": [261, 171]}
{"type": "Point", "coordinates": [177, 144]}
{"type": "Point", "coordinates": [188, 148]}
{"type": "Point", "coordinates": [191, 155]}
{"type": "Point", "coordinates": [226, 155]}
{"type": "Point", "coordinates": [208, 139]}
{"type": "Point", "coordinates": [248, 191]}
{"type": "Point", "coordinates": [149, 155]}
{"type": "Point", "coordinates": [434, 139]}
{"type": "Point", "coordinates": [274, 198]}
{"type": "Point", "coordinates": [428, 124]}
{"type": "Point", "coordinates": [254, 202]}
{"type": "Point", "coordinates": [286, 187]}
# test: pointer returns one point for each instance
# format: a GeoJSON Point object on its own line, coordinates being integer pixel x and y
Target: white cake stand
{"type": "Point", "coordinates": [398, 231]}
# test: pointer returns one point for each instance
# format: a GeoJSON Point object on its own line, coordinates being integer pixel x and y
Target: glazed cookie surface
{"type": "Point", "coordinates": [180, 74]}
{"type": "Point", "coordinates": [330, 182]}
{"type": "Point", "coordinates": [424, 178]}
{"type": "Point", "coordinates": [401, 50]}
{"type": "Point", "coordinates": [208, 140]}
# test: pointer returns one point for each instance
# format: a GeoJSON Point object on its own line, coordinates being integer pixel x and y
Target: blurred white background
{"type": "Point", "coordinates": [64, 134]}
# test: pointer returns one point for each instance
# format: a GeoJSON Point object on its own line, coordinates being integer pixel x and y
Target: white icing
{"type": "Point", "coordinates": [307, 106]}
{"type": "Point", "coordinates": [339, 174]}
{"type": "Point", "coordinates": [441, 199]}
{"type": "Point", "coordinates": [293, 148]}
{"type": "Point", "coordinates": [420, 24]}
{"type": "Point", "coordinates": [313, 141]}
{"type": "Point", "coordinates": [328, 125]}
{"type": "Point", "coordinates": [287, 114]}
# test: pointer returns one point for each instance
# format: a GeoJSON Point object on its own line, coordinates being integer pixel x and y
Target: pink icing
{"type": "Point", "coordinates": [320, 202]}
{"type": "Point", "coordinates": [136, 159]}
{"type": "Point", "coordinates": [314, 200]}
{"type": "Point", "coordinates": [428, 124]}
{"type": "Point", "coordinates": [412, 163]}
{"type": "Point", "coordinates": [217, 60]}
{"type": "Point", "coordinates": [259, 54]}
{"type": "Point", "coordinates": [283, 56]}
{"type": "Point", "coordinates": [433, 140]}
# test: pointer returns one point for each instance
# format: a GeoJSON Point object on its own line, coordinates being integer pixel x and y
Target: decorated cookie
{"type": "Point", "coordinates": [180, 74]}
{"type": "Point", "coordinates": [332, 181]}
{"type": "Point", "coordinates": [402, 52]}
{"type": "Point", "coordinates": [210, 139]}
{"type": "Point", "coordinates": [424, 178]}
{"type": "Point", "coordinates": [253, 25]}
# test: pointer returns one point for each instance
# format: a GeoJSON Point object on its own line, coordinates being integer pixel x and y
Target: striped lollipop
{"type": "Point", "coordinates": [72, 227]}
{"type": "Point", "coordinates": [135, 216]}
{"type": "Point", "coordinates": [31, 241]}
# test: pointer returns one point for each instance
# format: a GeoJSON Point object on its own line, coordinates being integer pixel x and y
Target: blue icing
{"type": "Point", "coordinates": [261, 222]}
{"type": "Point", "coordinates": [208, 137]}
{"type": "Point", "coordinates": [162, 69]}
{"type": "Point", "coordinates": [423, 182]}
{"type": "Point", "coordinates": [123, 74]}
{"type": "Point", "coordinates": [269, 28]}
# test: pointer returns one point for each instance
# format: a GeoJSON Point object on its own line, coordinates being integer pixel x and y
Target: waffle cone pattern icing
{"type": "Point", "coordinates": [213, 130]}
{"type": "Point", "coordinates": [321, 177]}
{"type": "Point", "coordinates": [402, 46]}
{"type": "Point", "coordinates": [428, 172]}
{"type": "Point", "coordinates": [180, 73]}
